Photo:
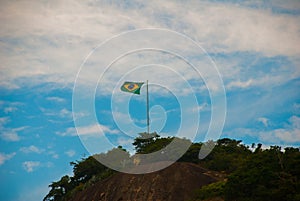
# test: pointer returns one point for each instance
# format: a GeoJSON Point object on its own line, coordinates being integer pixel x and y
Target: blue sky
{"type": "Point", "coordinates": [47, 46]}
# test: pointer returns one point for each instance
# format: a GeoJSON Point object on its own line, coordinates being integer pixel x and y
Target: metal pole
{"type": "Point", "coordinates": [148, 121]}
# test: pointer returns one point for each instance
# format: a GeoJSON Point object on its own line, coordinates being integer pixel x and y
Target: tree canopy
{"type": "Point", "coordinates": [252, 173]}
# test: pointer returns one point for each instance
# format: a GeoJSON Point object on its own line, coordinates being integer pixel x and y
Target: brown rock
{"type": "Point", "coordinates": [175, 183]}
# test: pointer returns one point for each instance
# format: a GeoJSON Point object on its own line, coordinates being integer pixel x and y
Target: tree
{"type": "Point", "coordinates": [59, 189]}
{"type": "Point", "coordinates": [143, 140]}
{"type": "Point", "coordinates": [227, 155]}
{"type": "Point", "coordinates": [85, 169]}
{"type": "Point", "coordinates": [192, 153]}
{"type": "Point", "coordinates": [116, 158]}
{"type": "Point", "coordinates": [266, 175]}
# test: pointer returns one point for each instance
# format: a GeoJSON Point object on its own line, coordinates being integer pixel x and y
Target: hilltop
{"type": "Point", "coordinates": [176, 183]}
{"type": "Point", "coordinates": [232, 171]}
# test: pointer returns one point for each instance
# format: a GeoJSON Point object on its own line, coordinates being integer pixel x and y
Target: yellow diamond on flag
{"type": "Point", "coordinates": [132, 87]}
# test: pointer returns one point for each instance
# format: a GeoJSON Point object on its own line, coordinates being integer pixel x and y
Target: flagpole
{"type": "Point", "coordinates": [148, 121]}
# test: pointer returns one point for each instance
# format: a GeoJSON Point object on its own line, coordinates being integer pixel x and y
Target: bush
{"type": "Point", "coordinates": [211, 191]}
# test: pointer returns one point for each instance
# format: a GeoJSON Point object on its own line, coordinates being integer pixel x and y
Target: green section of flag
{"type": "Point", "coordinates": [132, 87]}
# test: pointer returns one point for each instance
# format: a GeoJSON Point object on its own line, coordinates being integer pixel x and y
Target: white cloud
{"type": "Point", "coordinates": [5, 157]}
{"type": "Point", "coordinates": [64, 113]}
{"type": "Point", "coordinates": [287, 135]}
{"type": "Point", "coordinates": [96, 129]}
{"type": "Point", "coordinates": [70, 153]}
{"type": "Point", "coordinates": [124, 141]}
{"type": "Point", "coordinates": [295, 121]}
{"type": "Point", "coordinates": [93, 129]}
{"type": "Point", "coordinates": [3, 120]}
{"type": "Point", "coordinates": [30, 166]}
{"type": "Point", "coordinates": [31, 149]}
{"type": "Point", "coordinates": [282, 135]}
{"type": "Point", "coordinates": [202, 107]}
{"type": "Point", "coordinates": [10, 136]}
{"type": "Point", "coordinates": [239, 84]}
{"type": "Point", "coordinates": [264, 121]}
{"type": "Point", "coordinates": [10, 109]}
{"type": "Point", "coordinates": [56, 99]}
{"type": "Point", "coordinates": [53, 154]}
{"type": "Point", "coordinates": [56, 36]}
{"type": "Point", "coordinates": [71, 131]}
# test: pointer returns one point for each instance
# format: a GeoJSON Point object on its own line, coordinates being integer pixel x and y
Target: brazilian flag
{"type": "Point", "coordinates": [132, 87]}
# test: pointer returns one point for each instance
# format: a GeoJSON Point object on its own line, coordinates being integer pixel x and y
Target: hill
{"type": "Point", "coordinates": [176, 183]}
{"type": "Point", "coordinates": [232, 171]}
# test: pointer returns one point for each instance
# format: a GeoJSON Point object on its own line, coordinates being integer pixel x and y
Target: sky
{"type": "Point", "coordinates": [215, 69]}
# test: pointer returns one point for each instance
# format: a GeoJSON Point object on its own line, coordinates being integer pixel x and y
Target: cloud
{"type": "Point", "coordinates": [64, 113]}
{"type": "Point", "coordinates": [70, 153]}
{"type": "Point", "coordinates": [56, 99]}
{"type": "Point", "coordinates": [11, 136]}
{"type": "Point", "coordinates": [96, 129]}
{"type": "Point", "coordinates": [31, 149]}
{"type": "Point", "coordinates": [288, 134]}
{"type": "Point", "coordinates": [264, 121]}
{"type": "Point", "coordinates": [239, 84]}
{"type": "Point", "coordinates": [53, 154]}
{"type": "Point", "coordinates": [51, 45]}
{"type": "Point", "coordinates": [295, 121]}
{"type": "Point", "coordinates": [8, 134]}
{"type": "Point", "coordinates": [4, 120]}
{"type": "Point", "coordinates": [5, 157]}
{"type": "Point", "coordinates": [281, 135]}
{"type": "Point", "coordinates": [202, 107]}
{"type": "Point", "coordinates": [10, 109]}
{"type": "Point", "coordinates": [124, 142]}
{"type": "Point", "coordinates": [30, 166]}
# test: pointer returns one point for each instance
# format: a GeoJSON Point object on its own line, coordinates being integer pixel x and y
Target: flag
{"type": "Point", "coordinates": [132, 87]}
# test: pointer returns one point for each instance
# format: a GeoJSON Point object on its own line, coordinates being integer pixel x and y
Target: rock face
{"type": "Point", "coordinates": [175, 183]}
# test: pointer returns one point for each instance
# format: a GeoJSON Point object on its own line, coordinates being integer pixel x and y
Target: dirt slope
{"type": "Point", "coordinates": [175, 183]}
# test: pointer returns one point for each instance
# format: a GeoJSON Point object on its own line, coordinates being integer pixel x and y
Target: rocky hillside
{"type": "Point", "coordinates": [254, 173]}
{"type": "Point", "coordinates": [177, 182]}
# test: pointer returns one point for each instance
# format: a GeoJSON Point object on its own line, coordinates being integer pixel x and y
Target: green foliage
{"type": "Point", "coordinates": [227, 155]}
{"type": "Point", "coordinates": [266, 175]}
{"type": "Point", "coordinates": [143, 142]}
{"type": "Point", "coordinates": [270, 174]}
{"type": "Point", "coordinates": [169, 148]}
{"type": "Point", "coordinates": [192, 154]}
{"type": "Point", "coordinates": [85, 173]}
{"type": "Point", "coordinates": [85, 169]}
{"type": "Point", "coordinates": [211, 191]}
{"type": "Point", "coordinates": [59, 189]}
{"type": "Point", "coordinates": [117, 157]}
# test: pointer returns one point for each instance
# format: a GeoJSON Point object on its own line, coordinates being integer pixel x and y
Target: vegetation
{"type": "Point", "coordinates": [270, 174]}
{"type": "Point", "coordinates": [252, 173]}
{"type": "Point", "coordinates": [266, 175]}
{"type": "Point", "coordinates": [211, 191]}
{"type": "Point", "coordinates": [86, 172]}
